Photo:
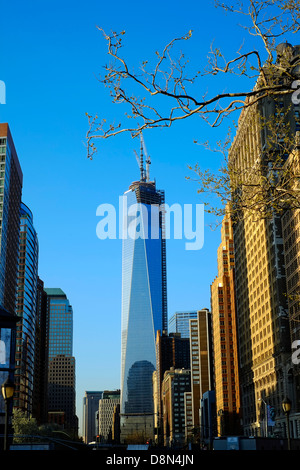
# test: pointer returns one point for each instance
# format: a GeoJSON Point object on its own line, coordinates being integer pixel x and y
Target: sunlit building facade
{"type": "Point", "coordinates": [226, 366]}
{"type": "Point", "coordinates": [260, 274]}
{"type": "Point", "coordinates": [144, 306]}
{"type": "Point", "coordinates": [109, 400]}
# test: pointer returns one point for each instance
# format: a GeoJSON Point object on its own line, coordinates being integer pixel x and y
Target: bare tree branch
{"type": "Point", "coordinates": [267, 20]}
{"type": "Point", "coordinates": [267, 183]}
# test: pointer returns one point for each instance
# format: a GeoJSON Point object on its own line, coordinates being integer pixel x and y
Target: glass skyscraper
{"type": "Point", "coordinates": [60, 323]}
{"type": "Point", "coordinates": [144, 298]}
{"type": "Point", "coordinates": [26, 310]}
{"type": "Point", "coordinates": [11, 180]}
{"type": "Point", "coordinates": [180, 323]}
{"type": "Point", "coordinates": [61, 363]}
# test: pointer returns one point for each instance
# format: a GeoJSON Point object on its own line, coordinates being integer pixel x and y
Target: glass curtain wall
{"type": "Point", "coordinates": [143, 296]}
{"type": "Point", "coordinates": [26, 310]}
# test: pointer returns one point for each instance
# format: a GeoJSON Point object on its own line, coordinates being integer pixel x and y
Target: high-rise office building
{"type": "Point", "coordinates": [208, 414]}
{"type": "Point", "coordinates": [90, 415]}
{"type": "Point", "coordinates": [110, 399]}
{"type": "Point", "coordinates": [60, 323]}
{"type": "Point", "coordinates": [171, 351]}
{"type": "Point", "coordinates": [11, 180]}
{"type": "Point", "coordinates": [291, 241]}
{"type": "Point", "coordinates": [201, 350]}
{"type": "Point", "coordinates": [144, 300]}
{"type": "Point", "coordinates": [176, 383]}
{"type": "Point", "coordinates": [61, 363]}
{"type": "Point", "coordinates": [226, 367]}
{"type": "Point", "coordinates": [26, 310]}
{"type": "Point", "coordinates": [39, 408]}
{"type": "Point", "coordinates": [180, 323]}
{"type": "Point", "coordinates": [261, 300]}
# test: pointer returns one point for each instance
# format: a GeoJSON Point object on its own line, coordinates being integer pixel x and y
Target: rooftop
{"type": "Point", "coordinates": [54, 292]}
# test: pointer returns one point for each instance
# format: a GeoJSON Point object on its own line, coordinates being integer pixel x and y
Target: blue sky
{"type": "Point", "coordinates": [51, 54]}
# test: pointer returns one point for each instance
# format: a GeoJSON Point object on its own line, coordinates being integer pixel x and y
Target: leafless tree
{"type": "Point", "coordinates": [169, 77]}
{"type": "Point", "coordinates": [267, 183]}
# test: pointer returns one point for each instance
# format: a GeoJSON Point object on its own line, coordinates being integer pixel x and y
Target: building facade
{"type": "Point", "coordinates": [26, 310]}
{"type": "Point", "coordinates": [291, 241]}
{"type": "Point", "coordinates": [107, 408]}
{"type": "Point", "coordinates": [144, 306]}
{"type": "Point", "coordinates": [180, 323]}
{"type": "Point", "coordinates": [188, 413]}
{"type": "Point", "coordinates": [201, 361]}
{"type": "Point", "coordinates": [61, 363]}
{"type": "Point", "coordinates": [261, 300]}
{"type": "Point", "coordinates": [171, 351]}
{"type": "Point", "coordinates": [175, 384]}
{"type": "Point", "coordinates": [90, 416]}
{"type": "Point", "coordinates": [40, 387]}
{"type": "Point", "coordinates": [208, 428]}
{"type": "Point", "coordinates": [224, 328]}
{"type": "Point", "coordinates": [11, 181]}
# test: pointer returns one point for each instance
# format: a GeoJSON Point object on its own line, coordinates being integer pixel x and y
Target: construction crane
{"type": "Point", "coordinates": [145, 175]}
{"type": "Point", "coordinates": [148, 160]}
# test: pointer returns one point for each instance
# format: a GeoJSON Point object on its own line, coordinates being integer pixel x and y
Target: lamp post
{"type": "Point", "coordinates": [8, 325]}
{"type": "Point", "coordinates": [286, 406]}
{"type": "Point", "coordinates": [7, 392]}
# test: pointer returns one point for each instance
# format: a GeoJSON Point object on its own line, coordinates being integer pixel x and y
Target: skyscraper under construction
{"type": "Point", "coordinates": [144, 300]}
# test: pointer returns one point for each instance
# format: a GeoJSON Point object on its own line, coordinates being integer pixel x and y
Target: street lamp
{"type": "Point", "coordinates": [286, 406]}
{"type": "Point", "coordinates": [8, 389]}
{"type": "Point", "coordinates": [8, 326]}
{"type": "Point", "coordinates": [7, 392]}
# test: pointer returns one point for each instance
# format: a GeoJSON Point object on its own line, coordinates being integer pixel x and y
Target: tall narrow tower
{"type": "Point", "coordinates": [144, 300]}
{"type": "Point", "coordinates": [226, 368]}
{"type": "Point", "coordinates": [61, 362]}
{"type": "Point", "coordinates": [26, 310]}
